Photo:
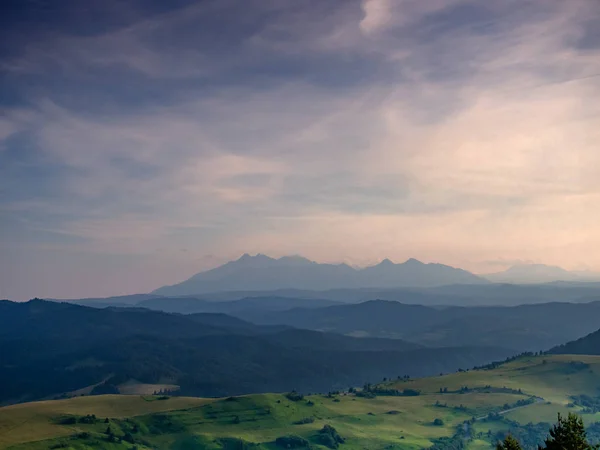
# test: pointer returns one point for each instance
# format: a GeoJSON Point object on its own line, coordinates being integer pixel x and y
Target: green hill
{"type": "Point", "coordinates": [474, 409]}
{"type": "Point", "coordinates": [587, 345]}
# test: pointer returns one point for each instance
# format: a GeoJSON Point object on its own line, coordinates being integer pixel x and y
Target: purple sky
{"type": "Point", "coordinates": [141, 143]}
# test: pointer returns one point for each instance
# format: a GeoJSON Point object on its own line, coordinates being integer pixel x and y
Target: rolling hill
{"type": "Point", "coordinates": [522, 328]}
{"type": "Point", "coordinates": [281, 299]}
{"type": "Point", "coordinates": [473, 410]}
{"type": "Point", "coordinates": [243, 306]}
{"type": "Point", "coordinates": [586, 345]}
{"type": "Point", "coordinates": [52, 348]}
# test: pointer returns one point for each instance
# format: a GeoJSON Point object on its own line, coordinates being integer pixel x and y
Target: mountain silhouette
{"type": "Point", "coordinates": [539, 273]}
{"type": "Point", "coordinates": [261, 272]}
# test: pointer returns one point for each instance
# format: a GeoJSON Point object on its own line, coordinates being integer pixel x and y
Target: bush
{"type": "Point", "coordinates": [394, 392]}
{"type": "Point", "coordinates": [292, 441]}
{"type": "Point", "coordinates": [329, 437]}
{"type": "Point", "coordinates": [365, 394]}
{"type": "Point", "coordinates": [328, 441]}
{"type": "Point", "coordinates": [294, 396]}
{"type": "Point", "coordinates": [438, 422]}
{"type": "Point", "coordinates": [68, 420]}
{"type": "Point", "coordinates": [89, 419]}
{"type": "Point", "coordinates": [410, 392]}
{"type": "Point", "coordinates": [305, 420]}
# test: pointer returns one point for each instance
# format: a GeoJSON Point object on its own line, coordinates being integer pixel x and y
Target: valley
{"type": "Point", "coordinates": [438, 367]}
{"type": "Point", "coordinates": [299, 225]}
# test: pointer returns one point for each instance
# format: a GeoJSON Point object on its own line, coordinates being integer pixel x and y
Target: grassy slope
{"type": "Point", "coordinates": [365, 423]}
{"type": "Point", "coordinates": [34, 421]}
{"type": "Point", "coordinates": [554, 381]}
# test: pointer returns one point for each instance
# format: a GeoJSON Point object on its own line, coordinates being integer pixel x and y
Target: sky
{"type": "Point", "coordinates": [143, 141]}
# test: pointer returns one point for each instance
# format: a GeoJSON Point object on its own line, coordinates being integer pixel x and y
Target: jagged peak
{"type": "Point", "coordinates": [414, 262]}
{"type": "Point", "coordinates": [257, 257]}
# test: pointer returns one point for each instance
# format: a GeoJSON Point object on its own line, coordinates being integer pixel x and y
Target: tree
{"type": "Point", "coordinates": [329, 437]}
{"type": "Point", "coordinates": [568, 433]}
{"type": "Point", "coordinates": [292, 441]}
{"type": "Point", "coordinates": [509, 443]}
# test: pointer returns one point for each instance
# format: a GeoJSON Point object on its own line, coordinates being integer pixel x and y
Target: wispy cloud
{"type": "Point", "coordinates": [454, 131]}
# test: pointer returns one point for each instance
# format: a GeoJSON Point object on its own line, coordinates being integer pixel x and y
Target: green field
{"type": "Point", "coordinates": [384, 422]}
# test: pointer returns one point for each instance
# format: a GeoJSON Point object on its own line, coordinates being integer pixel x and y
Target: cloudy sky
{"type": "Point", "coordinates": [143, 141]}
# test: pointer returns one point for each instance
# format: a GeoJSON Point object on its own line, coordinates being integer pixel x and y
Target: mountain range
{"type": "Point", "coordinates": [261, 272]}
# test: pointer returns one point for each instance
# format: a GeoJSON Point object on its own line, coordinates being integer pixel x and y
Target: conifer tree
{"type": "Point", "coordinates": [568, 434]}
{"type": "Point", "coordinates": [510, 443]}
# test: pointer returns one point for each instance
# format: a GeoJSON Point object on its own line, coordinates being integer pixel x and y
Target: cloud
{"type": "Point", "coordinates": [377, 15]}
{"type": "Point", "coordinates": [451, 131]}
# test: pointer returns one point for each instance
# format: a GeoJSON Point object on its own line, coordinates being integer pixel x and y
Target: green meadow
{"type": "Point", "coordinates": [471, 407]}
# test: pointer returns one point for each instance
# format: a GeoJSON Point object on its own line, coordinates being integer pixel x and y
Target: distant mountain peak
{"type": "Point", "coordinates": [414, 262]}
{"type": "Point", "coordinates": [539, 273]}
{"type": "Point", "coordinates": [261, 273]}
{"type": "Point", "coordinates": [543, 268]}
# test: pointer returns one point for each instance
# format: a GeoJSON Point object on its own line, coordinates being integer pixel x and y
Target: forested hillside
{"type": "Point", "coordinates": [50, 349]}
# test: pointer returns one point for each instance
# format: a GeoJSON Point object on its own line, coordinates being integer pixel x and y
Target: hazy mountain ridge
{"type": "Point", "coordinates": [522, 328]}
{"type": "Point", "coordinates": [261, 272]}
{"type": "Point", "coordinates": [44, 344]}
{"type": "Point", "coordinates": [188, 305]}
{"type": "Point", "coordinates": [231, 302]}
{"type": "Point", "coordinates": [449, 295]}
{"type": "Point", "coordinates": [586, 345]}
{"type": "Point", "coordinates": [540, 273]}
